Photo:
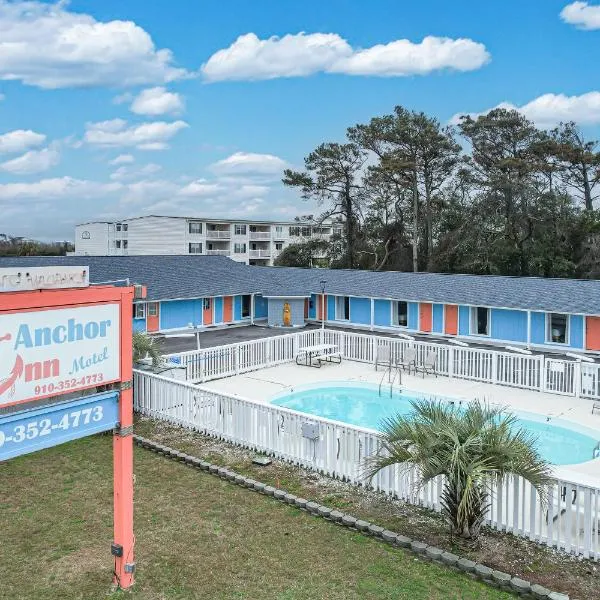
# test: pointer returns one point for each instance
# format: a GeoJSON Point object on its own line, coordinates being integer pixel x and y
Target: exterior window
{"type": "Point", "coordinates": [152, 309]}
{"type": "Point", "coordinates": [296, 231]}
{"type": "Point", "coordinates": [240, 230]}
{"type": "Point", "coordinates": [239, 248]}
{"type": "Point", "coordinates": [558, 329]}
{"type": "Point", "coordinates": [480, 320]}
{"type": "Point", "coordinates": [118, 227]}
{"type": "Point", "coordinates": [195, 227]}
{"type": "Point", "coordinates": [342, 308]}
{"type": "Point", "coordinates": [246, 303]}
{"type": "Point", "coordinates": [118, 243]}
{"type": "Point", "coordinates": [337, 231]}
{"type": "Point", "coordinates": [125, 243]}
{"type": "Point", "coordinates": [195, 248]}
{"type": "Point", "coordinates": [279, 246]}
{"type": "Point", "coordinates": [125, 227]}
{"type": "Point", "coordinates": [139, 311]}
{"type": "Point", "coordinates": [206, 304]}
{"type": "Point", "coordinates": [278, 229]}
{"type": "Point", "coordinates": [401, 314]}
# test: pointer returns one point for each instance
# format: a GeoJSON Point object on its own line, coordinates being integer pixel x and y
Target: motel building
{"type": "Point", "coordinates": [202, 292]}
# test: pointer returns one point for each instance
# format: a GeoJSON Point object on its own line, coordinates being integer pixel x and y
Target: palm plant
{"type": "Point", "coordinates": [145, 346]}
{"type": "Point", "coordinates": [473, 448]}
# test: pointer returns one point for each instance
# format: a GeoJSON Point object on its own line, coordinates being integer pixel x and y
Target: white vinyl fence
{"type": "Point", "coordinates": [569, 521]}
{"type": "Point", "coordinates": [533, 372]}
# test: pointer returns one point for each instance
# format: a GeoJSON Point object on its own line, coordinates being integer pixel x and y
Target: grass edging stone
{"type": "Point", "coordinates": [481, 572]}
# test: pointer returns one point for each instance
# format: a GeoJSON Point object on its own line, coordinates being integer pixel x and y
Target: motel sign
{"type": "Point", "coordinates": [65, 373]}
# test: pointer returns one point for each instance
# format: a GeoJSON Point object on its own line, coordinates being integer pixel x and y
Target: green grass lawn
{"type": "Point", "coordinates": [197, 537]}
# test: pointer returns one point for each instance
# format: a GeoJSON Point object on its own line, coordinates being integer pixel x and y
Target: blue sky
{"type": "Point", "coordinates": [112, 109]}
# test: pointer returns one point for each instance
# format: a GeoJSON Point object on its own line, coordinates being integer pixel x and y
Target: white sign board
{"type": "Point", "coordinates": [56, 351]}
{"type": "Point", "coordinates": [18, 279]}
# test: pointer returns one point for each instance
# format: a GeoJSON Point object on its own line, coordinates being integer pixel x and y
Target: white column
{"type": "Point", "coordinates": [528, 328]}
{"type": "Point", "coordinates": [252, 309]}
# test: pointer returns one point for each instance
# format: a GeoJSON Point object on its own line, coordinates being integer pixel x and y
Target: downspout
{"type": "Point", "coordinates": [251, 309]}
{"type": "Point", "coordinates": [528, 329]}
{"type": "Point", "coordinates": [372, 314]}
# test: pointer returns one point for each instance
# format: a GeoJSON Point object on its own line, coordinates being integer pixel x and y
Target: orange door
{"type": "Point", "coordinates": [320, 303]}
{"type": "Point", "coordinates": [227, 309]}
{"type": "Point", "coordinates": [451, 320]}
{"type": "Point", "coordinates": [592, 333]}
{"type": "Point", "coordinates": [153, 316]}
{"type": "Point", "coordinates": [425, 316]}
{"type": "Point", "coordinates": [207, 312]}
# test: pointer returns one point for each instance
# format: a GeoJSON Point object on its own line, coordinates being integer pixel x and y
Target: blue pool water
{"type": "Point", "coordinates": [362, 406]}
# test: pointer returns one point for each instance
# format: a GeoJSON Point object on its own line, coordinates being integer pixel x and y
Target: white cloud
{"type": "Point", "coordinates": [123, 98]}
{"type": "Point", "coordinates": [157, 101]}
{"type": "Point", "coordinates": [48, 46]}
{"type": "Point", "coordinates": [296, 55]}
{"type": "Point", "coordinates": [582, 15]}
{"type": "Point", "coordinates": [34, 161]}
{"type": "Point", "coordinates": [153, 146]}
{"type": "Point", "coordinates": [200, 187]}
{"type": "Point", "coordinates": [56, 188]}
{"type": "Point", "coordinates": [20, 140]}
{"type": "Point", "coordinates": [122, 159]}
{"type": "Point", "coordinates": [248, 163]}
{"type": "Point", "coordinates": [550, 109]}
{"type": "Point", "coordinates": [146, 136]}
{"type": "Point", "coordinates": [124, 173]}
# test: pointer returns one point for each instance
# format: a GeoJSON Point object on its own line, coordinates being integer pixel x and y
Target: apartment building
{"type": "Point", "coordinates": [249, 242]}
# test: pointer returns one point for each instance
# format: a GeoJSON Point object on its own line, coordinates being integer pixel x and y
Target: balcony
{"type": "Point", "coordinates": [218, 234]}
{"type": "Point", "coordinates": [217, 252]}
{"type": "Point", "coordinates": [260, 235]}
{"type": "Point", "coordinates": [260, 254]}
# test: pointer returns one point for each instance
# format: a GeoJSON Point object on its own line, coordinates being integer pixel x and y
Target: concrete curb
{"type": "Point", "coordinates": [498, 579]}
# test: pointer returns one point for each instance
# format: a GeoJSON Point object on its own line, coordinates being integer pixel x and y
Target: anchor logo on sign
{"type": "Point", "coordinates": [8, 382]}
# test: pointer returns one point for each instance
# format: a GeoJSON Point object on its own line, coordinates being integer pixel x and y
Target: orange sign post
{"type": "Point", "coordinates": [60, 340]}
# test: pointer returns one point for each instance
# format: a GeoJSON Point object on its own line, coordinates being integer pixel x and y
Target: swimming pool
{"type": "Point", "coordinates": [361, 405]}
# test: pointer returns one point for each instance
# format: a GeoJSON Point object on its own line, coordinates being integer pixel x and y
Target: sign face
{"type": "Point", "coordinates": [57, 351]}
{"type": "Point", "coordinates": [32, 430]}
{"type": "Point", "coordinates": [18, 279]}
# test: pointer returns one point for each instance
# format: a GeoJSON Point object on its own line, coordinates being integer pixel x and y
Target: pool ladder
{"type": "Point", "coordinates": [392, 372]}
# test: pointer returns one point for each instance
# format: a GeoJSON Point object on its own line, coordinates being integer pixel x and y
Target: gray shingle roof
{"type": "Point", "coordinates": [169, 277]}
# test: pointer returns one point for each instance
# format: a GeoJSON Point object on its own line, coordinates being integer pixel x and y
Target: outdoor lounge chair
{"type": "Point", "coordinates": [428, 365]}
{"type": "Point", "coordinates": [409, 359]}
{"type": "Point", "coordinates": [383, 356]}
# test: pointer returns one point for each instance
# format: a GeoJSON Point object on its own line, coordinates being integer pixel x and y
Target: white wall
{"type": "Point", "coordinates": [93, 239]}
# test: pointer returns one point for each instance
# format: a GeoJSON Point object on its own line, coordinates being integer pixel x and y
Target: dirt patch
{"type": "Point", "coordinates": [578, 577]}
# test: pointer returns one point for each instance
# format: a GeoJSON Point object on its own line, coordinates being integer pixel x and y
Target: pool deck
{"type": "Point", "coordinates": [263, 384]}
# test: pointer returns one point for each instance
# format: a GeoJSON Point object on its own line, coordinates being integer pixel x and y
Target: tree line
{"type": "Point", "coordinates": [16, 246]}
{"type": "Point", "coordinates": [492, 195]}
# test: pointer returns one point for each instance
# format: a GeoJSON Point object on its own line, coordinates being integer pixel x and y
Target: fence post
{"type": "Point", "coordinates": [236, 359]}
{"type": "Point", "coordinates": [451, 362]}
{"type": "Point", "coordinates": [373, 349]}
{"type": "Point", "coordinates": [202, 366]}
{"type": "Point", "coordinates": [543, 375]}
{"type": "Point", "coordinates": [494, 366]}
{"type": "Point", "coordinates": [295, 344]}
{"type": "Point", "coordinates": [577, 384]}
